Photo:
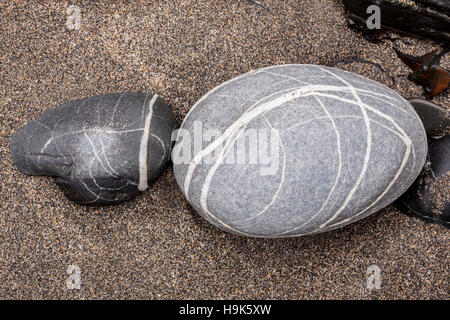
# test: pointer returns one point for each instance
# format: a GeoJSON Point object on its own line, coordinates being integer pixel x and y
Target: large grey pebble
{"type": "Point", "coordinates": [347, 147]}
{"type": "Point", "coordinates": [101, 150]}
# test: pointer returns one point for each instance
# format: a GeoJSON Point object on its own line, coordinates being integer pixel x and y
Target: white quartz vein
{"type": "Point", "coordinates": [97, 156]}
{"type": "Point", "coordinates": [115, 107]}
{"type": "Point", "coordinates": [368, 149]}
{"type": "Point", "coordinates": [283, 176]}
{"type": "Point", "coordinates": [250, 115]}
{"type": "Point", "coordinates": [143, 158]}
{"type": "Point", "coordinates": [205, 187]}
{"type": "Point", "coordinates": [405, 138]}
{"type": "Point", "coordinates": [338, 174]}
{"type": "Point", "coordinates": [81, 104]}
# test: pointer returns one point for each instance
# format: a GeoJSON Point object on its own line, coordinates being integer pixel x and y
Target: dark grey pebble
{"type": "Point", "coordinates": [101, 150]}
{"type": "Point", "coordinates": [422, 199]}
{"type": "Point", "coordinates": [435, 119]}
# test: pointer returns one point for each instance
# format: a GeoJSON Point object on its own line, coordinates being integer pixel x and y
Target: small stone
{"type": "Point", "coordinates": [297, 149]}
{"type": "Point", "coordinates": [101, 150]}
{"type": "Point", "coordinates": [429, 196]}
{"type": "Point", "coordinates": [436, 119]}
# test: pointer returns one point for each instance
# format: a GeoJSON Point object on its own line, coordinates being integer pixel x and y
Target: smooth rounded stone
{"type": "Point", "coordinates": [102, 150]}
{"type": "Point", "coordinates": [297, 149]}
{"type": "Point", "coordinates": [429, 196]}
{"type": "Point", "coordinates": [436, 119]}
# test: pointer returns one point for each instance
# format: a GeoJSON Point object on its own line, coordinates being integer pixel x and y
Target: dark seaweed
{"type": "Point", "coordinates": [426, 71]}
{"type": "Point", "coordinates": [420, 21]}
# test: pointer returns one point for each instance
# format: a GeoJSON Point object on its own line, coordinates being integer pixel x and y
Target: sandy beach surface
{"type": "Point", "coordinates": [156, 246]}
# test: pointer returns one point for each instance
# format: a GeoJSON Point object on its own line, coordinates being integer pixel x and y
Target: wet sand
{"type": "Point", "coordinates": [156, 246]}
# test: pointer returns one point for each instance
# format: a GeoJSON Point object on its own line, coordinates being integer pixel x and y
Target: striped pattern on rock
{"type": "Point", "coordinates": [348, 147]}
{"type": "Point", "coordinates": [101, 150]}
